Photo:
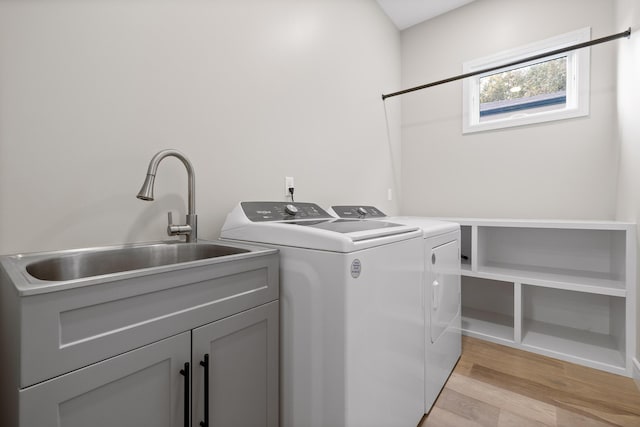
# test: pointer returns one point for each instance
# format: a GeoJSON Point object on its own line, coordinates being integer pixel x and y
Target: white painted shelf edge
{"type": "Point", "coordinates": [541, 223]}
{"type": "Point", "coordinates": [549, 280]}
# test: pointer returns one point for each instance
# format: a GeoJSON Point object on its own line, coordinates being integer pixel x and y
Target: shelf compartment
{"type": "Point", "coordinates": [487, 308]}
{"type": "Point", "coordinates": [589, 257]}
{"type": "Point", "coordinates": [575, 326]}
{"type": "Point", "coordinates": [465, 246]}
{"type": "Point", "coordinates": [487, 324]}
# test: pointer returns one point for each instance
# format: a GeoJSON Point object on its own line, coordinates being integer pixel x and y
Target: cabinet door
{"type": "Point", "coordinates": [242, 353]}
{"type": "Point", "coordinates": [143, 387]}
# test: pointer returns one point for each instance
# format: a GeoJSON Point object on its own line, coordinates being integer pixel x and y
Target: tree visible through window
{"type": "Point", "coordinates": [548, 89]}
{"type": "Point", "coordinates": [535, 86]}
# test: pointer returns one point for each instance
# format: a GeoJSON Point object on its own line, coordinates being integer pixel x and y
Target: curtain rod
{"type": "Point", "coordinates": [509, 64]}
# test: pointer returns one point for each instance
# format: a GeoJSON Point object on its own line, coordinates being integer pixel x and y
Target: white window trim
{"type": "Point", "coordinates": [578, 62]}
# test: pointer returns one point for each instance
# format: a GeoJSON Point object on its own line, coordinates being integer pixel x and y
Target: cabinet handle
{"type": "Point", "coordinates": [205, 364]}
{"type": "Point", "coordinates": [185, 373]}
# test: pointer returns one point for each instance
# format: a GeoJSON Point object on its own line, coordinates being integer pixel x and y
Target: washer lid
{"type": "Point", "coordinates": [315, 230]}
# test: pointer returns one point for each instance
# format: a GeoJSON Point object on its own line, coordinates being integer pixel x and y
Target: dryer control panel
{"type": "Point", "coordinates": [358, 211]}
{"type": "Point", "coordinates": [282, 211]}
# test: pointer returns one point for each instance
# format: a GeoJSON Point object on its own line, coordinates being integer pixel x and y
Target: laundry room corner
{"type": "Point", "coordinates": [628, 67]}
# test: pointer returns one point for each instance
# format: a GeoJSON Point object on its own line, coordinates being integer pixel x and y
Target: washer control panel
{"type": "Point", "coordinates": [282, 211]}
{"type": "Point", "coordinates": [358, 211]}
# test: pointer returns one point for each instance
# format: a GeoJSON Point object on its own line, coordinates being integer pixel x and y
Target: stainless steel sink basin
{"type": "Point", "coordinates": [90, 263]}
{"type": "Point", "coordinates": [44, 272]}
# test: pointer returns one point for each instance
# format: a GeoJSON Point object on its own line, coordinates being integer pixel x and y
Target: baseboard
{"type": "Point", "coordinates": [636, 372]}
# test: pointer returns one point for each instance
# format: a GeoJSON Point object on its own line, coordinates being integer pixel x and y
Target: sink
{"type": "Point", "coordinates": [43, 272]}
{"type": "Point", "coordinates": [98, 262]}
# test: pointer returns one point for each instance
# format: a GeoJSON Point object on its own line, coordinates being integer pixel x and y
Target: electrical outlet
{"type": "Point", "coordinates": [389, 194]}
{"type": "Point", "coordinates": [288, 183]}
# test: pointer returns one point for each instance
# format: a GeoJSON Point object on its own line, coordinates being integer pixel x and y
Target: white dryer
{"type": "Point", "coordinates": [351, 314]}
{"type": "Point", "coordinates": [441, 254]}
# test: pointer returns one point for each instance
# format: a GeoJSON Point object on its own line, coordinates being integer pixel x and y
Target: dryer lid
{"type": "Point", "coordinates": [346, 226]}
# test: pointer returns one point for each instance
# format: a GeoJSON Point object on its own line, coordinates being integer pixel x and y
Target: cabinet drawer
{"type": "Point", "coordinates": [63, 331]}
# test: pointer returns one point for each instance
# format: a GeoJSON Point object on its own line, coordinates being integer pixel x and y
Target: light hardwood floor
{"type": "Point", "coordinates": [498, 386]}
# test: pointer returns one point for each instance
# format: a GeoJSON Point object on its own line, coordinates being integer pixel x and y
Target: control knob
{"type": "Point", "coordinates": [361, 211]}
{"type": "Point", "coordinates": [291, 209]}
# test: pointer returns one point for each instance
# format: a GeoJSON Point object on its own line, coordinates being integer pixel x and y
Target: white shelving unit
{"type": "Point", "coordinates": [565, 289]}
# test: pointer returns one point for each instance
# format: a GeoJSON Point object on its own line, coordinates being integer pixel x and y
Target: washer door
{"type": "Point", "coordinates": [444, 288]}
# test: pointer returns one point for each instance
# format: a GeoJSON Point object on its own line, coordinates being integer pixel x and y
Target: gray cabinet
{"type": "Point", "coordinates": [142, 387]}
{"type": "Point", "coordinates": [242, 369]}
{"type": "Point", "coordinates": [110, 353]}
{"type": "Point", "coordinates": [145, 387]}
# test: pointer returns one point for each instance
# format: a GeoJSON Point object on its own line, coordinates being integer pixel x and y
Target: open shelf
{"type": "Point", "coordinates": [562, 255]}
{"type": "Point", "coordinates": [488, 324]}
{"type": "Point", "coordinates": [575, 325]}
{"type": "Point", "coordinates": [487, 308]}
{"type": "Point", "coordinates": [573, 344]}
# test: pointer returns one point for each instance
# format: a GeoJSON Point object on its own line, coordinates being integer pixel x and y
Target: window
{"type": "Point", "coordinates": [551, 88]}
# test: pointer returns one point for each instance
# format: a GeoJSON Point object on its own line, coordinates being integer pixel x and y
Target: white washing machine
{"type": "Point", "coordinates": [351, 314]}
{"type": "Point", "coordinates": [441, 254]}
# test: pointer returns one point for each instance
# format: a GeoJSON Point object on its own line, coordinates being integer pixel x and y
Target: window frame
{"type": "Point", "coordinates": [577, 92]}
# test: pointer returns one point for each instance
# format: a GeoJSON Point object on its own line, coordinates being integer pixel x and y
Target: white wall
{"type": "Point", "coordinates": [564, 169]}
{"type": "Point", "coordinates": [628, 106]}
{"type": "Point", "coordinates": [249, 90]}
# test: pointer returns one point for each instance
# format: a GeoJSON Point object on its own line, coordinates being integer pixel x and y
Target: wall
{"type": "Point", "coordinates": [564, 169]}
{"type": "Point", "coordinates": [628, 208]}
{"type": "Point", "coordinates": [249, 90]}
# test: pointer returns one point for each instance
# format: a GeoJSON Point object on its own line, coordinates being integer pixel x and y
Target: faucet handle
{"type": "Point", "coordinates": [176, 230]}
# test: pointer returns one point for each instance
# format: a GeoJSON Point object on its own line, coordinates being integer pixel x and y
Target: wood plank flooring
{"type": "Point", "coordinates": [498, 386]}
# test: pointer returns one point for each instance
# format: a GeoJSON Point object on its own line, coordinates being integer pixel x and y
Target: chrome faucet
{"type": "Point", "coordinates": [190, 229]}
